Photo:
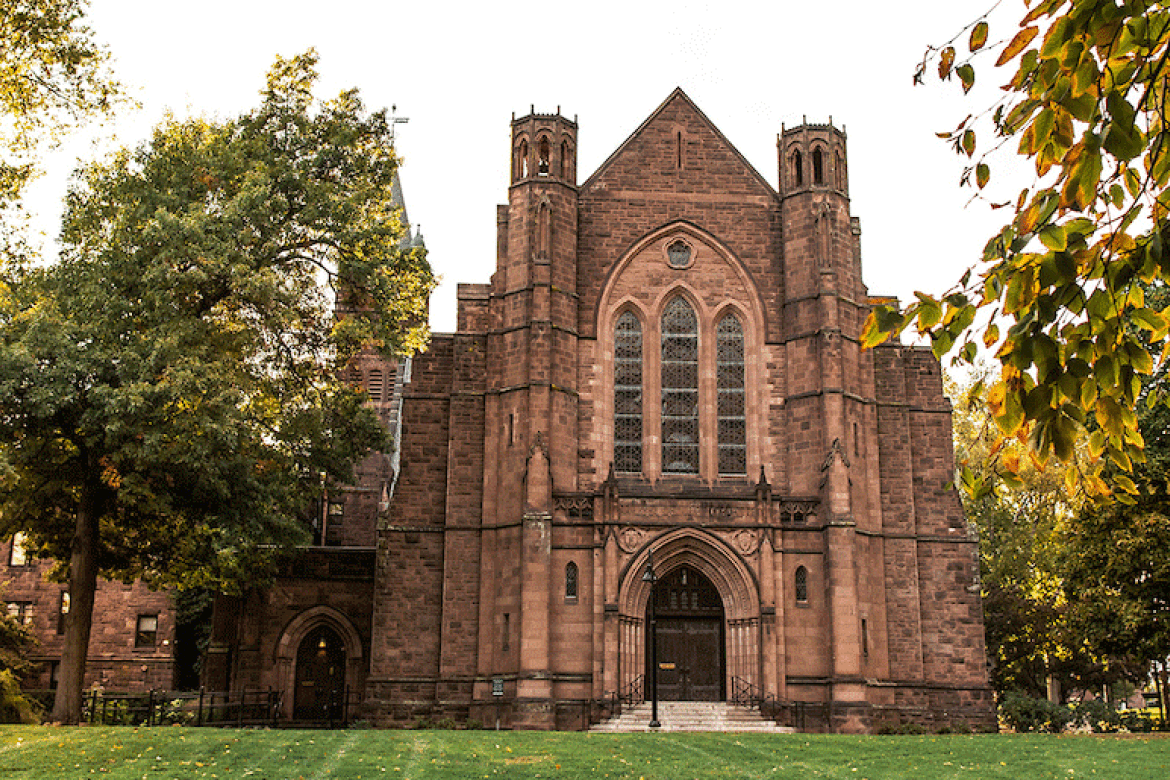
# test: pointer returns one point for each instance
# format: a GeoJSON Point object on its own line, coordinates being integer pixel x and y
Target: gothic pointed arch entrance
{"type": "Point", "coordinates": [320, 675]}
{"type": "Point", "coordinates": [320, 652]}
{"type": "Point", "coordinates": [714, 639]}
{"type": "Point", "coordinates": [690, 626]}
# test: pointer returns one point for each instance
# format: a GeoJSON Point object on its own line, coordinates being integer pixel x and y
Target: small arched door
{"type": "Point", "coordinates": [689, 614]}
{"type": "Point", "coordinates": [320, 675]}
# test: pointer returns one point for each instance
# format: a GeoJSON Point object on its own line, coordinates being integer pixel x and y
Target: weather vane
{"type": "Point", "coordinates": [395, 120]}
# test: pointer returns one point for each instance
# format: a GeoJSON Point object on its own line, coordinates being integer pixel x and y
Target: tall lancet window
{"type": "Point", "coordinates": [680, 388]}
{"type": "Point", "coordinates": [730, 384]}
{"type": "Point", "coordinates": [543, 231]}
{"type": "Point", "coordinates": [627, 394]}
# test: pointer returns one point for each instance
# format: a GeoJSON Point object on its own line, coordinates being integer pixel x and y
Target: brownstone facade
{"type": "Point", "coordinates": [132, 645]}
{"type": "Point", "coordinates": [799, 481]}
{"type": "Point", "coordinates": [664, 373]}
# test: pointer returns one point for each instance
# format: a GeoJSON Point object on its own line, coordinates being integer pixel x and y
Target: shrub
{"type": "Point", "coordinates": [15, 706]}
{"type": "Point", "coordinates": [1023, 713]}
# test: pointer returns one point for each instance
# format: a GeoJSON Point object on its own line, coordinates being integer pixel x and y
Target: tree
{"type": "Point", "coordinates": [1017, 512]}
{"type": "Point", "coordinates": [168, 392]}
{"type": "Point", "coordinates": [1072, 590]}
{"type": "Point", "coordinates": [52, 76]}
{"type": "Point", "coordinates": [15, 643]}
{"type": "Point", "coordinates": [1060, 287]}
{"type": "Point", "coordinates": [1115, 560]}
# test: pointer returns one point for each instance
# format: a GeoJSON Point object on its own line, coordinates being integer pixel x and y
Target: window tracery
{"type": "Point", "coordinates": [627, 394]}
{"type": "Point", "coordinates": [729, 376]}
{"type": "Point", "coordinates": [680, 388]}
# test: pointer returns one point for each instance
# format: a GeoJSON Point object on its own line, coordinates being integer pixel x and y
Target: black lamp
{"type": "Point", "coordinates": [650, 577]}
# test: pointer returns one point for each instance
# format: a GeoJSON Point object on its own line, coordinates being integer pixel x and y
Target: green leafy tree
{"type": "Point", "coordinates": [1017, 511]}
{"type": "Point", "coordinates": [1061, 286]}
{"type": "Point", "coordinates": [168, 392]}
{"type": "Point", "coordinates": [15, 643]}
{"type": "Point", "coordinates": [52, 76]}
{"type": "Point", "coordinates": [1115, 561]}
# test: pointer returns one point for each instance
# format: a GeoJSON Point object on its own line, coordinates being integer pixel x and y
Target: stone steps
{"type": "Point", "coordinates": [691, 716]}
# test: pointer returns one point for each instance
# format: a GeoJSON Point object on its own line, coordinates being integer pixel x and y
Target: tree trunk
{"type": "Point", "coordinates": [82, 586]}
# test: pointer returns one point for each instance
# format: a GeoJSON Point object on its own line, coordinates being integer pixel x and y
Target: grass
{"type": "Point", "coordinates": [41, 753]}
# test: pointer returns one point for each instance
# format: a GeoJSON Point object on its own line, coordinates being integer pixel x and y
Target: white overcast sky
{"type": "Point", "coordinates": [459, 70]}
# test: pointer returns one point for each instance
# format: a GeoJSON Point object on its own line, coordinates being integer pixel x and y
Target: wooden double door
{"type": "Point", "coordinates": [689, 618]}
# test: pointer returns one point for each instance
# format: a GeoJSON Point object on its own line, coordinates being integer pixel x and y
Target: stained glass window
{"type": "Point", "coordinates": [801, 584]}
{"type": "Point", "coordinates": [730, 383]}
{"type": "Point", "coordinates": [680, 389]}
{"type": "Point", "coordinates": [627, 394]}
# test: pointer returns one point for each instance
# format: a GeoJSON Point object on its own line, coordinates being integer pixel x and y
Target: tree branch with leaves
{"type": "Point", "coordinates": [1061, 288]}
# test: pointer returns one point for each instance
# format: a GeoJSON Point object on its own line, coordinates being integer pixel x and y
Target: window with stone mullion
{"type": "Point", "coordinates": [627, 394]}
{"type": "Point", "coordinates": [680, 388]}
{"type": "Point", "coordinates": [729, 376]}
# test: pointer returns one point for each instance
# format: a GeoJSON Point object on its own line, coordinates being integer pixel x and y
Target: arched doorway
{"type": "Point", "coordinates": [320, 675]}
{"type": "Point", "coordinates": [691, 658]}
{"type": "Point", "coordinates": [725, 572]}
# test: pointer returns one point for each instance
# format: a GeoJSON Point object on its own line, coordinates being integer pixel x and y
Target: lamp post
{"type": "Point", "coordinates": [650, 577]}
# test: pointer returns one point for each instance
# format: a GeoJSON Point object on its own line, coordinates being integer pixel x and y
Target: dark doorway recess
{"type": "Point", "coordinates": [320, 682]}
{"type": "Point", "coordinates": [691, 658]}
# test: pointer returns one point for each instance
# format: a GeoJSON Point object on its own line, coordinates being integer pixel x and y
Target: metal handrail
{"type": "Point", "coordinates": [634, 693]}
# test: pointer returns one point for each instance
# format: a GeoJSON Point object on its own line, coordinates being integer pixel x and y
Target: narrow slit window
{"type": "Point", "coordinates": [627, 394]}
{"type": "Point", "coordinates": [680, 388]}
{"type": "Point", "coordinates": [729, 374]}
{"type": "Point", "coordinates": [62, 611]}
{"type": "Point", "coordinates": [838, 171]}
{"type": "Point", "coordinates": [801, 585]}
{"type": "Point", "coordinates": [543, 230]}
{"type": "Point", "coordinates": [571, 581]}
{"type": "Point", "coordinates": [818, 162]}
{"type": "Point", "coordinates": [18, 552]}
{"type": "Point", "coordinates": [566, 161]}
{"type": "Point", "coordinates": [678, 150]}
{"type": "Point", "coordinates": [798, 167]}
{"type": "Point", "coordinates": [506, 639]}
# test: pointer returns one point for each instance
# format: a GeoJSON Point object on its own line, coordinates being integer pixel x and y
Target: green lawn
{"type": "Point", "coordinates": [58, 753]}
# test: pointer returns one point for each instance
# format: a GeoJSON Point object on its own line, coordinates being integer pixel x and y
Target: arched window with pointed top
{"type": "Point", "coordinates": [729, 379]}
{"type": "Point", "coordinates": [627, 394]}
{"type": "Point", "coordinates": [522, 159]}
{"type": "Point", "coordinates": [680, 388]}
{"type": "Point", "coordinates": [544, 156]}
{"type": "Point", "coordinates": [818, 163]}
{"type": "Point", "coordinates": [571, 585]}
{"type": "Point", "coordinates": [798, 168]}
{"type": "Point", "coordinates": [801, 585]}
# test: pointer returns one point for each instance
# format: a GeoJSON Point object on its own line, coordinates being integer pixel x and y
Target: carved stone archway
{"type": "Point", "coordinates": [285, 654]}
{"type": "Point", "coordinates": [724, 568]}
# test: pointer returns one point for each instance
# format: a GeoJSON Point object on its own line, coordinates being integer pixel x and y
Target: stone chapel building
{"type": "Point", "coordinates": [664, 372]}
